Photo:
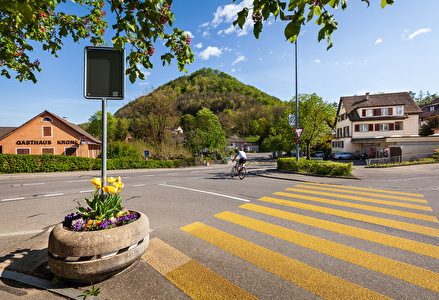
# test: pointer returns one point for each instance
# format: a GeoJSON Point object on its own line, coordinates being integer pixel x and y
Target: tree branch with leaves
{"type": "Point", "coordinates": [298, 13]}
{"type": "Point", "coordinates": [137, 24]}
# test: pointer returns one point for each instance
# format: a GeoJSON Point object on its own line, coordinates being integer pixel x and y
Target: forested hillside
{"type": "Point", "coordinates": [241, 109]}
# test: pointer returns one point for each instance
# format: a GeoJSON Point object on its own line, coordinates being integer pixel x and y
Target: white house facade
{"type": "Point", "coordinates": [379, 125]}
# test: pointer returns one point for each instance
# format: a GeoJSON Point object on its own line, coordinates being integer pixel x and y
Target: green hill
{"type": "Point", "coordinates": [208, 88]}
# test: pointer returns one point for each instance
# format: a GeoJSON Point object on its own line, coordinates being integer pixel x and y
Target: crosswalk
{"type": "Point", "coordinates": [346, 243]}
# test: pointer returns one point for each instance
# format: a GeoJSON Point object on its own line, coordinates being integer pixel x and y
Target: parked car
{"type": "Point", "coordinates": [320, 154]}
{"type": "Point", "coordinates": [344, 155]}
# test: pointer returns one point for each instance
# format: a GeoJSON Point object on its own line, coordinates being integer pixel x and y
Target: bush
{"type": "Point", "coordinates": [13, 163]}
{"type": "Point", "coordinates": [315, 167]}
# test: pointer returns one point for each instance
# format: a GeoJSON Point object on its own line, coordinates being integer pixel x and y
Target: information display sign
{"type": "Point", "coordinates": [104, 73]}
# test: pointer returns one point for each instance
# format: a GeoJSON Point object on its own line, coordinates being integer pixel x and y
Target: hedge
{"type": "Point", "coordinates": [13, 163]}
{"type": "Point", "coordinates": [315, 167]}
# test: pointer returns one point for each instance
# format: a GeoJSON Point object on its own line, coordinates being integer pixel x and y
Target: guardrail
{"type": "Point", "coordinates": [398, 159]}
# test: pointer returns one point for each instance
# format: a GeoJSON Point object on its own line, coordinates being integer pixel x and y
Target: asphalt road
{"type": "Point", "coordinates": [301, 238]}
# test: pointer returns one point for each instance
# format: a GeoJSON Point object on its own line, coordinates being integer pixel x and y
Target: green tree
{"type": "Point", "coordinates": [137, 25]}
{"type": "Point", "coordinates": [316, 117]}
{"type": "Point", "coordinates": [431, 123]}
{"type": "Point", "coordinates": [95, 125]}
{"type": "Point", "coordinates": [204, 131]}
{"type": "Point", "coordinates": [155, 116]}
{"type": "Point", "coordinates": [317, 11]}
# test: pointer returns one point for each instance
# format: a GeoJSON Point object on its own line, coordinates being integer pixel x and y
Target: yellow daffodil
{"type": "Point", "coordinates": [111, 179]}
{"type": "Point", "coordinates": [97, 182]}
{"type": "Point", "coordinates": [118, 186]}
{"type": "Point", "coordinates": [109, 189]}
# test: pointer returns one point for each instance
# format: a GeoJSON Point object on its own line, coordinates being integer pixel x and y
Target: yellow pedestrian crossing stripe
{"type": "Point", "coordinates": [377, 237]}
{"type": "Point", "coordinates": [332, 208]}
{"type": "Point", "coordinates": [310, 278]}
{"type": "Point", "coordinates": [191, 277]}
{"type": "Point", "coordinates": [356, 216]}
{"type": "Point", "coordinates": [362, 206]}
{"type": "Point", "coordinates": [364, 189]}
{"type": "Point", "coordinates": [423, 278]}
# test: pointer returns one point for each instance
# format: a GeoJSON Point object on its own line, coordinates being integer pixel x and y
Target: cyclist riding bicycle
{"type": "Point", "coordinates": [242, 158]}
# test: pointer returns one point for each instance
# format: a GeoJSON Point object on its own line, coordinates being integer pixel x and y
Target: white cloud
{"type": "Point", "coordinates": [378, 41]}
{"type": "Point", "coordinates": [189, 34]}
{"type": "Point", "coordinates": [414, 34]}
{"type": "Point", "coordinates": [206, 33]}
{"type": "Point", "coordinates": [210, 51]}
{"type": "Point", "coordinates": [239, 59]}
{"type": "Point", "coordinates": [199, 45]}
{"type": "Point", "coordinates": [317, 61]}
{"type": "Point", "coordinates": [228, 13]}
{"type": "Point", "coordinates": [204, 25]}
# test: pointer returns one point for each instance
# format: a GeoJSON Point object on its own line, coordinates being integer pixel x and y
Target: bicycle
{"type": "Point", "coordinates": [242, 172]}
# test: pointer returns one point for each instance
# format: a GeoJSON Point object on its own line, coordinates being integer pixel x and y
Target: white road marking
{"type": "Point", "coordinates": [89, 191]}
{"type": "Point", "coordinates": [205, 192]}
{"type": "Point", "coordinates": [28, 184]}
{"type": "Point", "coordinates": [53, 195]}
{"type": "Point", "coordinates": [136, 185]}
{"type": "Point", "coordinates": [80, 180]}
{"type": "Point", "coordinates": [13, 199]}
{"type": "Point", "coordinates": [23, 232]}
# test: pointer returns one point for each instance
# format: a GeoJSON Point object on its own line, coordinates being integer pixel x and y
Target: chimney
{"type": "Point", "coordinates": [367, 96]}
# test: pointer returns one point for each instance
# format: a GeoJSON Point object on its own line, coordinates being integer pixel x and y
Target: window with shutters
{"type": "Point", "coordinates": [47, 131]}
{"type": "Point", "coordinates": [399, 110]}
{"type": "Point", "coordinates": [22, 150]}
{"type": "Point", "coordinates": [369, 112]}
{"type": "Point", "coordinates": [364, 127]}
{"type": "Point", "coordinates": [47, 150]}
{"type": "Point", "coordinates": [384, 126]}
{"type": "Point", "coordinates": [70, 151]}
{"type": "Point", "coordinates": [384, 111]}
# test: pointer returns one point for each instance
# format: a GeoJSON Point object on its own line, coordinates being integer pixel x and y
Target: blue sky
{"type": "Point", "coordinates": [375, 50]}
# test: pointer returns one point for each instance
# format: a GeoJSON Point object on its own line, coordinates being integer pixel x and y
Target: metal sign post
{"type": "Point", "coordinates": [104, 79]}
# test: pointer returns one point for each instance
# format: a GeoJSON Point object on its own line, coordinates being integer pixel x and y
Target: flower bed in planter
{"type": "Point", "coordinates": [92, 256]}
{"type": "Point", "coordinates": [100, 240]}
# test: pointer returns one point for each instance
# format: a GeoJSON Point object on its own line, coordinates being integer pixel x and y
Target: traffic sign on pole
{"type": "Point", "coordinates": [299, 131]}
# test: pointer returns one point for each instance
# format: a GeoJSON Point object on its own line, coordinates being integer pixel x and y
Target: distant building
{"type": "Point", "coordinates": [380, 125]}
{"type": "Point", "coordinates": [48, 134]}
{"type": "Point", "coordinates": [428, 110]}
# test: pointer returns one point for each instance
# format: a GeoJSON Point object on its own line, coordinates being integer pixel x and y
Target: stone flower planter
{"type": "Point", "coordinates": [93, 256]}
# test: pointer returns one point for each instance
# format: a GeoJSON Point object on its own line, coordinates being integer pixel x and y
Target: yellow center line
{"type": "Point", "coordinates": [351, 197]}
{"type": "Point", "coordinates": [381, 238]}
{"type": "Point", "coordinates": [314, 280]}
{"type": "Point", "coordinates": [412, 274]}
{"type": "Point", "coordinates": [362, 206]}
{"type": "Point", "coordinates": [191, 277]}
{"type": "Point", "coordinates": [394, 197]}
{"type": "Point", "coordinates": [365, 189]}
{"type": "Point", "coordinates": [358, 217]}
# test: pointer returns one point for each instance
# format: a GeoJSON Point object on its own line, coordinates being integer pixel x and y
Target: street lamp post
{"type": "Point", "coordinates": [289, 18]}
{"type": "Point", "coordinates": [297, 101]}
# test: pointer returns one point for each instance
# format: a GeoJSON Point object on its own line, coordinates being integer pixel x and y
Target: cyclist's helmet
{"type": "Point", "coordinates": [236, 150]}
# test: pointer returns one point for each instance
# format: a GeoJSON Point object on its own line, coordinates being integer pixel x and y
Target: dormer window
{"type": "Point", "coordinates": [384, 111]}
{"type": "Point", "coordinates": [47, 119]}
{"type": "Point", "coordinates": [431, 108]}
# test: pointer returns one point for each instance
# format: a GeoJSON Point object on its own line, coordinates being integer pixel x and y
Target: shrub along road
{"type": "Point", "coordinates": [253, 238]}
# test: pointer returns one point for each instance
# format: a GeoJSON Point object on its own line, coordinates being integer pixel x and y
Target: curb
{"type": "Point", "coordinates": [261, 174]}
{"type": "Point", "coordinates": [47, 285]}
